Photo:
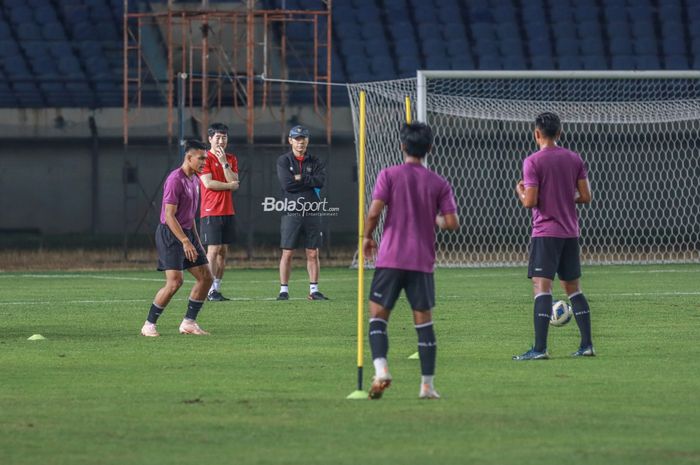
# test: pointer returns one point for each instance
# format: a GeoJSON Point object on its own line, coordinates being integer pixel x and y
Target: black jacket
{"type": "Point", "coordinates": [313, 175]}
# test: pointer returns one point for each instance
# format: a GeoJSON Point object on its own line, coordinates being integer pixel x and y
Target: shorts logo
{"type": "Point", "coordinates": [377, 295]}
{"type": "Point", "coordinates": [538, 269]}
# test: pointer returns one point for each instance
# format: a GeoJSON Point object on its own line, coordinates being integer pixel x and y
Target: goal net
{"type": "Point", "coordinates": [638, 132]}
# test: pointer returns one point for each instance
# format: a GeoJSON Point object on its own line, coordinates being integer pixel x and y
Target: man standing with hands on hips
{"type": "Point", "coordinates": [219, 179]}
{"type": "Point", "coordinates": [301, 177]}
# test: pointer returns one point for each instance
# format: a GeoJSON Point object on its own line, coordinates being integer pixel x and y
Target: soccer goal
{"type": "Point", "coordinates": [638, 131]}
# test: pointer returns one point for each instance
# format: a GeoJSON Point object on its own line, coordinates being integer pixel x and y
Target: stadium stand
{"type": "Point", "coordinates": [68, 53]}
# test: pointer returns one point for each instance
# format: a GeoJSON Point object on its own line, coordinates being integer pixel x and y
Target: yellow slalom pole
{"type": "Point", "coordinates": [408, 110]}
{"type": "Point", "coordinates": [359, 393]}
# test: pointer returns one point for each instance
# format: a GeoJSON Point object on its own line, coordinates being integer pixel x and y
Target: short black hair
{"type": "Point", "coordinates": [549, 123]}
{"type": "Point", "coordinates": [215, 128]}
{"type": "Point", "coordinates": [194, 144]}
{"type": "Point", "coordinates": [416, 139]}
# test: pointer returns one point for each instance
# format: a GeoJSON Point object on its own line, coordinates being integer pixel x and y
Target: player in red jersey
{"type": "Point", "coordinates": [219, 179]}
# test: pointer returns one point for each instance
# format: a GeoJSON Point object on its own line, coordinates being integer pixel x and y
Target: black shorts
{"type": "Point", "coordinates": [293, 227]}
{"type": "Point", "coordinates": [554, 255]}
{"type": "Point", "coordinates": [171, 255]}
{"type": "Point", "coordinates": [388, 282]}
{"type": "Point", "coordinates": [218, 230]}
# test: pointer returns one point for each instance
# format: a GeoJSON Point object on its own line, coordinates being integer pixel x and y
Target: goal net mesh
{"type": "Point", "coordinates": [640, 139]}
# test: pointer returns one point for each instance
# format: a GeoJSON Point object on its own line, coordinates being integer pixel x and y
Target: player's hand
{"type": "Point", "coordinates": [440, 221]}
{"type": "Point", "coordinates": [190, 250]}
{"type": "Point", "coordinates": [220, 154]}
{"type": "Point", "coordinates": [520, 188]}
{"type": "Point", "coordinates": [369, 248]}
{"type": "Point", "coordinates": [235, 185]}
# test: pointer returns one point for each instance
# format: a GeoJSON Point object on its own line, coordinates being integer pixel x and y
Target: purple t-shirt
{"type": "Point", "coordinates": [555, 171]}
{"type": "Point", "coordinates": [413, 196]}
{"type": "Point", "coordinates": [184, 192]}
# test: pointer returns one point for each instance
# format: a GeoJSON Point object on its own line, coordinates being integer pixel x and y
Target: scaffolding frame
{"type": "Point", "coordinates": [195, 56]}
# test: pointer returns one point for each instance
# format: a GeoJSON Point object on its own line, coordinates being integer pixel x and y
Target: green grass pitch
{"type": "Point", "coordinates": [269, 385]}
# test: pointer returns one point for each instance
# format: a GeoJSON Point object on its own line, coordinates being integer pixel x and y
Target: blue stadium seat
{"type": "Point", "coordinates": [457, 48]}
{"type": "Point", "coordinates": [462, 62]}
{"type": "Point", "coordinates": [544, 62]}
{"type": "Point", "coordinates": [507, 30]}
{"type": "Point", "coordinates": [696, 61]}
{"type": "Point", "coordinates": [618, 29]}
{"type": "Point", "coordinates": [561, 13]}
{"type": "Point", "coordinates": [514, 62]}
{"type": "Point", "coordinates": [566, 47]}
{"type": "Point", "coordinates": [695, 45]}
{"type": "Point", "coordinates": [647, 62]}
{"type": "Point", "coordinates": [484, 47]}
{"type": "Point", "coordinates": [511, 46]}
{"type": "Point", "coordinates": [621, 45]}
{"type": "Point", "coordinates": [539, 46]}
{"type": "Point", "coordinates": [46, 14]}
{"type": "Point", "coordinates": [678, 62]}
{"type": "Point", "coordinates": [20, 14]}
{"type": "Point", "coordinates": [504, 13]}
{"type": "Point", "coordinates": [454, 30]}
{"type": "Point", "coordinates": [483, 31]}
{"type": "Point", "coordinates": [5, 31]}
{"type": "Point", "coordinates": [490, 62]}
{"type": "Point", "coordinates": [437, 62]}
{"type": "Point", "coordinates": [428, 31]}
{"type": "Point", "coordinates": [594, 62]}
{"type": "Point", "coordinates": [570, 62]}
{"type": "Point", "coordinates": [642, 29]}
{"type": "Point", "coordinates": [564, 31]}
{"type": "Point", "coordinates": [645, 46]}
{"type": "Point", "coordinates": [614, 13]}
{"type": "Point", "coordinates": [622, 62]}
{"type": "Point", "coordinates": [592, 46]}
{"type": "Point", "coordinates": [673, 45]}
{"type": "Point", "coordinates": [589, 30]}
{"type": "Point", "coordinates": [586, 11]}
{"type": "Point", "coordinates": [53, 31]}
{"type": "Point", "coordinates": [28, 31]}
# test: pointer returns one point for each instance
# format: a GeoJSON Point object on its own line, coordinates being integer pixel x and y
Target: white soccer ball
{"type": "Point", "coordinates": [561, 313]}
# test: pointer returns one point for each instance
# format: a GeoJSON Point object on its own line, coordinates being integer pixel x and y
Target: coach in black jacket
{"type": "Point", "coordinates": [301, 177]}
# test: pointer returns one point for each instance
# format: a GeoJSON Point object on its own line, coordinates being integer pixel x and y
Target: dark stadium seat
{"type": "Point", "coordinates": [464, 61]}
{"type": "Point", "coordinates": [622, 62]}
{"type": "Point", "coordinates": [570, 62]}
{"type": "Point", "coordinates": [594, 62]}
{"type": "Point", "coordinates": [514, 62]}
{"type": "Point", "coordinates": [489, 62]}
{"type": "Point", "coordinates": [544, 62]}
{"type": "Point", "coordinates": [673, 45]}
{"type": "Point", "coordinates": [645, 46]}
{"type": "Point", "coordinates": [566, 47]}
{"type": "Point", "coordinates": [647, 62]}
{"type": "Point", "coordinates": [677, 62]}
{"type": "Point", "coordinates": [621, 46]}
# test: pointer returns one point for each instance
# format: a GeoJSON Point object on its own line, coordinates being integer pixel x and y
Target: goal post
{"type": "Point", "coordinates": [638, 132]}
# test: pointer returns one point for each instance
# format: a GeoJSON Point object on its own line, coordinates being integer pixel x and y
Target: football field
{"type": "Point", "coordinates": [269, 385]}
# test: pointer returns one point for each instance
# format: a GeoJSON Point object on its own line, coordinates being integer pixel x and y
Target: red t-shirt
{"type": "Point", "coordinates": [217, 203]}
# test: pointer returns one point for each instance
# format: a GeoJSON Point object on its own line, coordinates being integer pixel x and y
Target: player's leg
{"type": "Point", "coordinates": [313, 240]}
{"type": "Point", "coordinates": [213, 229]}
{"type": "Point", "coordinates": [290, 229]}
{"type": "Point", "coordinates": [173, 282]}
{"type": "Point", "coordinates": [385, 289]}
{"type": "Point", "coordinates": [203, 279]}
{"type": "Point", "coordinates": [569, 273]}
{"type": "Point", "coordinates": [542, 267]}
{"type": "Point", "coordinates": [171, 258]}
{"type": "Point", "coordinates": [420, 292]}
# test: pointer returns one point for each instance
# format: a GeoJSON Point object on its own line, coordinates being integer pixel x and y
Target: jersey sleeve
{"type": "Point", "coordinates": [207, 166]}
{"type": "Point", "coordinates": [583, 170]}
{"type": "Point", "coordinates": [233, 162]}
{"type": "Point", "coordinates": [530, 176]}
{"type": "Point", "coordinates": [382, 187]}
{"type": "Point", "coordinates": [171, 192]}
{"type": "Point", "coordinates": [446, 203]}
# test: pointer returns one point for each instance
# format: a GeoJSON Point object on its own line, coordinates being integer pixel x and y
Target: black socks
{"type": "Point", "coordinates": [542, 314]}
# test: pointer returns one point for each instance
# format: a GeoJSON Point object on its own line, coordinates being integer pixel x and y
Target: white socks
{"type": "Point", "coordinates": [381, 369]}
{"type": "Point", "coordinates": [284, 288]}
{"type": "Point", "coordinates": [313, 287]}
{"type": "Point", "coordinates": [215, 285]}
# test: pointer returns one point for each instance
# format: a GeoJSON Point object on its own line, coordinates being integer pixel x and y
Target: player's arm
{"type": "Point", "coordinates": [449, 222]}
{"type": "Point", "coordinates": [368, 243]}
{"type": "Point", "coordinates": [527, 195]}
{"type": "Point", "coordinates": [215, 185]}
{"type": "Point", "coordinates": [317, 178]}
{"type": "Point", "coordinates": [176, 228]}
{"type": "Point", "coordinates": [583, 191]}
{"type": "Point", "coordinates": [285, 175]}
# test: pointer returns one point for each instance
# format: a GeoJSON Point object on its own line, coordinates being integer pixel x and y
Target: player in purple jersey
{"type": "Point", "coordinates": [554, 181]}
{"type": "Point", "coordinates": [178, 244]}
{"type": "Point", "coordinates": [415, 199]}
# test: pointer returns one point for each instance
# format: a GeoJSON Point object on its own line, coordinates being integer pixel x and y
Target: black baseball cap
{"type": "Point", "coordinates": [298, 131]}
